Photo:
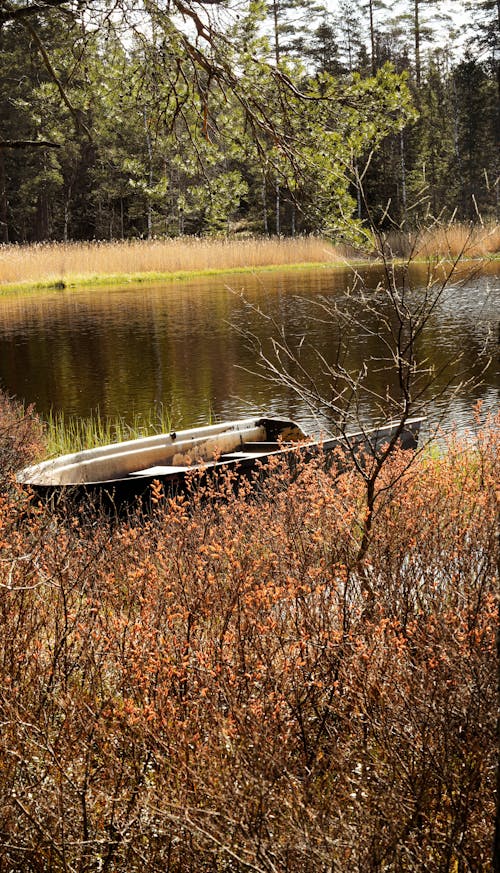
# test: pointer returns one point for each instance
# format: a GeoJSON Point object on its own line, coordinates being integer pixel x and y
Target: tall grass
{"type": "Point", "coordinates": [446, 241]}
{"type": "Point", "coordinates": [63, 262]}
{"type": "Point", "coordinates": [67, 263]}
{"type": "Point", "coordinates": [65, 434]}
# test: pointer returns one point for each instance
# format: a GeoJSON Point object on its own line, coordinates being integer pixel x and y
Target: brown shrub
{"type": "Point", "coordinates": [21, 436]}
{"type": "Point", "coordinates": [212, 689]}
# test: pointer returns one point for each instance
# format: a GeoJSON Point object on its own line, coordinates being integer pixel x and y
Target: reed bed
{"type": "Point", "coordinates": [63, 262]}
{"type": "Point", "coordinates": [446, 241]}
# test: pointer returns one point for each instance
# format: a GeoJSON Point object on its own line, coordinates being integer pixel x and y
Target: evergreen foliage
{"type": "Point", "coordinates": [125, 125]}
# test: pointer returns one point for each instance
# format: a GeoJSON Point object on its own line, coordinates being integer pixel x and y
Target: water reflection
{"type": "Point", "coordinates": [125, 351]}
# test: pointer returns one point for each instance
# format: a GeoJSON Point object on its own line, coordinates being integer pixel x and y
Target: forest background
{"type": "Point", "coordinates": [122, 121]}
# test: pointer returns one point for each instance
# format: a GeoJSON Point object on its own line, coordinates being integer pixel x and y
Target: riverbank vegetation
{"type": "Point", "coordinates": [69, 264]}
{"type": "Point", "coordinates": [173, 700]}
{"type": "Point", "coordinates": [64, 263]}
{"type": "Point", "coordinates": [63, 434]}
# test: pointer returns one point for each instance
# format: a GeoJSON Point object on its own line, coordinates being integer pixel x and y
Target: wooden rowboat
{"type": "Point", "coordinates": [123, 472]}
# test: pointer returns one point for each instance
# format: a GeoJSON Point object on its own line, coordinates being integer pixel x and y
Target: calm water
{"type": "Point", "coordinates": [126, 352]}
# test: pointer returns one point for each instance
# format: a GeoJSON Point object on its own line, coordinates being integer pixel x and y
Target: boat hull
{"type": "Point", "coordinates": [242, 448]}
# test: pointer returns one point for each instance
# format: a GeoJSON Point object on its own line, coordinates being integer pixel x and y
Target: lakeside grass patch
{"type": "Point", "coordinates": [67, 434]}
{"type": "Point", "coordinates": [63, 264]}
{"type": "Point", "coordinates": [69, 265]}
{"type": "Point", "coordinates": [447, 242]}
{"type": "Point", "coordinates": [57, 266]}
{"type": "Point", "coordinates": [123, 280]}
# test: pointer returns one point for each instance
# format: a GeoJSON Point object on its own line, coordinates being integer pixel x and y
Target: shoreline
{"type": "Point", "coordinates": [77, 282]}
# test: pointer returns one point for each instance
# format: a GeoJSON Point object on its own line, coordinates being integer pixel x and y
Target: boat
{"type": "Point", "coordinates": [121, 473]}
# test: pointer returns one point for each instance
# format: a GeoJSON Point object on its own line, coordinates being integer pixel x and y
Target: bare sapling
{"type": "Point", "coordinates": [392, 321]}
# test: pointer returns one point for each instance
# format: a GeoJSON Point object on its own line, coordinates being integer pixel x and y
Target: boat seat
{"type": "Point", "coordinates": [159, 470]}
{"type": "Point", "coordinates": [238, 456]}
{"type": "Point", "coordinates": [256, 448]}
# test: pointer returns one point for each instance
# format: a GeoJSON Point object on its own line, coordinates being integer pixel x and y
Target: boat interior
{"type": "Point", "coordinates": [167, 454]}
{"type": "Point", "coordinates": [245, 450]}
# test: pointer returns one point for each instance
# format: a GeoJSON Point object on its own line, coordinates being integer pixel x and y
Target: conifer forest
{"type": "Point", "coordinates": [167, 118]}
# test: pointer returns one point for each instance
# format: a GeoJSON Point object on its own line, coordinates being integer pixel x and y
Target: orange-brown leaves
{"type": "Point", "coordinates": [225, 685]}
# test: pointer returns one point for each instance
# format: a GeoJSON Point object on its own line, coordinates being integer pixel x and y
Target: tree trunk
{"type": "Point", "coordinates": [416, 25]}
{"type": "Point", "coordinates": [278, 205]}
{"type": "Point", "coordinates": [276, 32]}
{"type": "Point", "coordinates": [358, 191]}
{"type": "Point", "coordinates": [403, 173]}
{"type": "Point", "coordinates": [4, 223]}
{"type": "Point", "coordinates": [67, 214]}
{"type": "Point", "coordinates": [42, 217]}
{"type": "Point", "coordinates": [150, 176]}
{"type": "Point", "coordinates": [372, 37]}
{"type": "Point", "coordinates": [264, 206]}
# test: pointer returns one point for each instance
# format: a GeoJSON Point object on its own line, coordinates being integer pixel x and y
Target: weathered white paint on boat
{"type": "Point", "coordinates": [173, 452]}
{"type": "Point", "coordinates": [120, 474]}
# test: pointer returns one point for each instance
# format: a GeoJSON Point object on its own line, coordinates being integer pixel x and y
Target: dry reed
{"type": "Point", "coordinates": [59, 262]}
{"type": "Point", "coordinates": [447, 241]}
{"type": "Point", "coordinates": [67, 263]}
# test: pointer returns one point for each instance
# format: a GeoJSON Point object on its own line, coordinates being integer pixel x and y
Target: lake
{"type": "Point", "coordinates": [182, 347]}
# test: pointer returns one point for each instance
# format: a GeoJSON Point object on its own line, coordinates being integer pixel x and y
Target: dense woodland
{"type": "Point", "coordinates": [121, 120]}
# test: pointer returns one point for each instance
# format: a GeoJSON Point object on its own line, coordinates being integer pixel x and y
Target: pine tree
{"type": "Point", "coordinates": [350, 29]}
{"type": "Point", "coordinates": [432, 181]}
{"type": "Point", "coordinates": [375, 11]}
{"type": "Point", "coordinates": [476, 144]}
{"type": "Point", "coordinates": [423, 20]}
{"type": "Point", "coordinates": [292, 25]}
{"type": "Point", "coordinates": [323, 48]}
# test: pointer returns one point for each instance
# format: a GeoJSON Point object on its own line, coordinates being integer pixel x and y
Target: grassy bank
{"type": "Point", "coordinates": [175, 699]}
{"type": "Point", "coordinates": [63, 265]}
{"type": "Point", "coordinates": [121, 280]}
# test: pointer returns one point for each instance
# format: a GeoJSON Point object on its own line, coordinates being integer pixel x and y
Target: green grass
{"type": "Point", "coordinates": [65, 434]}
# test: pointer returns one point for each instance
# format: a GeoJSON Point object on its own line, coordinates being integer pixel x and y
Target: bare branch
{"type": "Point", "coordinates": [12, 13]}
{"type": "Point", "coordinates": [28, 143]}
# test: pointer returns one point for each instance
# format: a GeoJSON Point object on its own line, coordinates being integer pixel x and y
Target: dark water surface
{"type": "Point", "coordinates": [128, 351]}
